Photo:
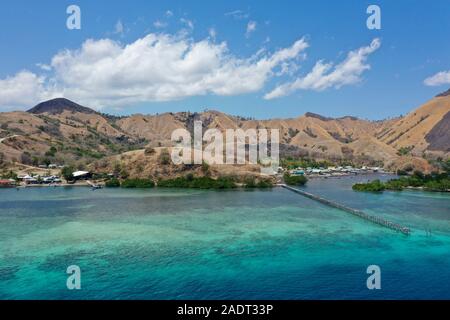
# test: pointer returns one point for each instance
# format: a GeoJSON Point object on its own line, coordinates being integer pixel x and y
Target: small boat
{"type": "Point", "coordinates": [94, 186]}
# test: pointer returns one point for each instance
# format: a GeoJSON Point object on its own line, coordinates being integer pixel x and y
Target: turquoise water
{"type": "Point", "coordinates": [189, 244]}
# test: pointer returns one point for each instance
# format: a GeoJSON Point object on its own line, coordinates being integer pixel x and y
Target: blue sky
{"type": "Point", "coordinates": [41, 58]}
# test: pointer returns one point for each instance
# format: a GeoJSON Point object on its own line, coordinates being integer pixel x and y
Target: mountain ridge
{"type": "Point", "coordinates": [60, 130]}
{"type": "Point", "coordinates": [58, 105]}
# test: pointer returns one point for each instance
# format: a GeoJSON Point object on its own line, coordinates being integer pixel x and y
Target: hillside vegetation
{"type": "Point", "coordinates": [60, 131]}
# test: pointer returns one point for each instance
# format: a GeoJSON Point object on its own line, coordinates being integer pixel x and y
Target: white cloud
{"type": "Point", "coordinates": [212, 33]}
{"type": "Point", "coordinates": [159, 24]}
{"type": "Point", "coordinates": [169, 14]}
{"type": "Point", "coordinates": [324, 75]}
{"type": "Point", "coordinates": [157, 67]}
{"type": "Point", "coordinates": [44, 66]}
{"type": "Point", "coordinates": [119, 29]}
{"type": "Point", "coordinates": [251, 27]}
{"type": "Point", "coordinates": [187, 22]}
{"type": "Point", "coordinates": [237, 14]}
{"type": "Point", "coordinates": [438, 79]}
{"type": "Point", "coordinates": [24, 89]}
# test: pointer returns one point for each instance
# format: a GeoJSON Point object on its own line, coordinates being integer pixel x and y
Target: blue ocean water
{"type": "Point", "coordinates": [195, 244]}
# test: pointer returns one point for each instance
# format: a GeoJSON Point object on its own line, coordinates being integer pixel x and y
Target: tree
{"type": "Point", "coordinates": [446, 166]}
{"type": "Point", "coordinates": [124, 173]}
{"type": "Point", "coordinates": [294, 180]}
{"type": "Point", "coordinates": [164, 157]}
{"type": "Point", "coordinates": [112, 183]}
{"type": "Point", "coordinates": [25, 158]}
{"type": "Point", "coordinates": [66, 172]}
{"type": "Point", "coordinates": [51, 152]}
{"type": "Point", "coordinates": [35, 161]}
{"type": "Point", "coordinates": [117, 169]}
{"type": "Point", "coordinates": [205, 168]}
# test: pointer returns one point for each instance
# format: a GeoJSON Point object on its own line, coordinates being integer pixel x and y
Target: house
{"type": "Point", "coordinates": [7, 183]}
{"type": "Point", "coordinates": [81, 175]}
{"type": "Point", "coordinates": [30, 180]}
{"type": "Point", "coordinates": [51, 179]}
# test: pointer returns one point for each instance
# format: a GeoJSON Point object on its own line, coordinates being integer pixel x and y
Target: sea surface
{"type": "Point", "coordinates": [196, 244]}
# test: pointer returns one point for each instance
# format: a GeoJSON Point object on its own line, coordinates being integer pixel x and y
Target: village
{"type": "Point", "coordinates": [332, 171]}
{"type": "Point", "coordinates": [51, 175]}
{"type": "Point", "coordinates": [54, 175]}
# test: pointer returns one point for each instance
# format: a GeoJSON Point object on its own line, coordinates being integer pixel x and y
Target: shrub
{"type": "Point", "coordinates": [149, 151]}
{"type": "Point", "coordinates": [395, 185]}
{"type": "Point", "coordinates": [403, 151]}
{"type": "Point", "coordinates": [9, 175]}
{"type": "Point", "coordinates": [51, 152]}
{"type": "Point", "coordinates": [250, 182]}
{"type": "Point", "coordinates": [205, 168]}
{"type": "Point", "coordinates": [441, 185]}
{"type": "Point", "coordinates": [264, 183]}
{"type": "Point", "coordinates": [112, 183]}
{"type": "Point", "coordinates": [198, 182]}
{"type": "Point", "coordinates": [294, 180]}
{"type": "Point", "coordinates": [164, 157]}
{"type": "Point", "coordinates": [430, 182]}
{"type": "Point", "coordinates": [137, 183]}
{"type": "Point", "coordinates": [66, 172]}
{"type": "Point", "coordinates": [373, 186]}
{"type": "Point", "coordinates": [124, 173]}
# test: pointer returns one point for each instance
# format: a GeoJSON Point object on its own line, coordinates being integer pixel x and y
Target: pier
{"type": "Point", "coordinates": [378, 220]}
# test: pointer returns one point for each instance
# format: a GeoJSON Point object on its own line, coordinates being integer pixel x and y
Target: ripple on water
{"type": "Point", "coordinates": [218, 245]}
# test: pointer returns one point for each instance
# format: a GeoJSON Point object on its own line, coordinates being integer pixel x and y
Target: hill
{"type": "Point", "coordinates": [61, 131]}
{"type": "Point", "coordinates": [422, 131]}
{"type": "Point", "coordinates": [59, 105]}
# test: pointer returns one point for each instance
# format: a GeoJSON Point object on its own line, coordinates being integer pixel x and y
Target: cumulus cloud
{"type": "Point", "coordinates": [157, 67]}
{"type": "Point", "coordinates": [438, 79]}
{"type": "Point", "coordinates": [24, 89]}
{"type": "Point", "coordinates": [251, 27]}
{"type": "Point", "coordinates": [326, 75]}
{"type": "Point", "coordinates": [44, 66]}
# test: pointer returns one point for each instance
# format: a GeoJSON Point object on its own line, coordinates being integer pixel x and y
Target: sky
{"type": "Point", "coordinates": [259, 59]}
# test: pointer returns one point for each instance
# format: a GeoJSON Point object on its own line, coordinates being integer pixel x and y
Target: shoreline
{"type": "Point", "coordinates": [239, 186]}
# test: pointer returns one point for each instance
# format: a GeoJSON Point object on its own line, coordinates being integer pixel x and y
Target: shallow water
{"type": "Point", "coordinates": [189, 244]}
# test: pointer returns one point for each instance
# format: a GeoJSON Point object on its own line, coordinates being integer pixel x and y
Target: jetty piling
{"type": "Point", "coordinates": [378, 220]}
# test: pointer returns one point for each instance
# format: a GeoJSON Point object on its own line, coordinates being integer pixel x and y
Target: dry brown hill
{"type": "Point", "coordinates": [61, 131]}
{"type": "Point", "coordinates": [424, 130]}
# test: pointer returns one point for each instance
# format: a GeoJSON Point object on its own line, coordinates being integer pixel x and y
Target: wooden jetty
{"type": "Point", "coordinates": [378, 220]}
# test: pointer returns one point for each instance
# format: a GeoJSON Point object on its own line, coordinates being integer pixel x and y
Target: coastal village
{"type": "Point", "coordinates": [51, 175]}
{"type": "Point", "coordinates": [59, 142]}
